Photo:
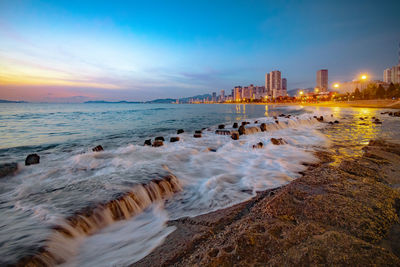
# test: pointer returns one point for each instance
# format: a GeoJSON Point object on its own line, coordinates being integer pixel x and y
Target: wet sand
{"type": "Point", "coordinates": [335, 214]}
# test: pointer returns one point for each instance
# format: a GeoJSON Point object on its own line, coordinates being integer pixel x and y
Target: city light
{"type": "Point", "coordinates": [363, 77]}
{"type": "Point", "coordinates": [301, 92]}
{"type": "Point", "coordinates": [336, 85]}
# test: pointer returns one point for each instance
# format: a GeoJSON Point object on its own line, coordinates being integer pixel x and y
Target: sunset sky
{"type": "Point", "coordinates": [72, 51]}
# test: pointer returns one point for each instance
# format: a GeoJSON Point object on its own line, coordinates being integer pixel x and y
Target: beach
{"type": "Point", "coordinates": [203, 200]}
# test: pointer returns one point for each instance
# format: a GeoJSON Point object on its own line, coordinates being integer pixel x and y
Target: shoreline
{"type": "Point", "coordinates": [337, 215]}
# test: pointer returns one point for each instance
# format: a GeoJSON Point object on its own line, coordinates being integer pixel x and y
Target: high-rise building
{"type": "Point", "coordinates": [267, 83]}
{"type": "Point", "coordinates": [387, 75]}
{"type": "Point", "coordinates": [322, 80]}
{"type": "Point", "coordinates": [214, 97]}
{"type": "Point", "coordinates": [222, 95]}
{"type": "Point", "coordinates": [284, 85]}
{"type": "Point", "coordinates": [275, 83]}
{"type": "Point", "coordinates": [395, 74]}
{"type": "Point", "coordinates": [237, 93]}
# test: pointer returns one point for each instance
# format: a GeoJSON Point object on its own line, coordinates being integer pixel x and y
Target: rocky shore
{"type": "Point", "coordinates": [335, 214]}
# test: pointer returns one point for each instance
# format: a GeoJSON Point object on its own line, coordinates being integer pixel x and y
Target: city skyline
{"type": "Point", "coordinates": [73, 52]}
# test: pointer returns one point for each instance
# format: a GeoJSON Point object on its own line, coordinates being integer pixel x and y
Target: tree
{"type": "Point", "coordinates": [357, 94]}
{"type": "Point", "coordinates": [380, 92]}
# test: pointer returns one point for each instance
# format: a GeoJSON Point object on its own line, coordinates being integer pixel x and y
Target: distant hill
{"type": "Point", "coordinates": [9, 101]}
{"type": "Point", "coordinates": [111, 102]}
{"type": "Point", "coordinates": [162, 101]}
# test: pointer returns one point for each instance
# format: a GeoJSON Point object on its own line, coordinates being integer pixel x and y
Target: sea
{"type": "Point", "coordinates": [111, 208]}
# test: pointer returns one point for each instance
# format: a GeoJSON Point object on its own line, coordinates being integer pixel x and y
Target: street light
{"type": "Point", "coordinates": [336, 85]}
{"type": "Point", "coordinates": [364, 77]}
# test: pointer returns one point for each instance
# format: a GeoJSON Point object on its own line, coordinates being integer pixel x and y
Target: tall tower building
{"type": "Point", "coordinates": [322, 80]}
{"type": "Point", "coordinates": [222, 95]}
{"type": "Point", "coordinates": [284, 86]}
{"type": "Point", "coordinates": [387, 75]}
{"type": "Point", "coordinates": [275, 83]}
{"type": "Point", "coordinates": [214, 97]}
{"type": "Point", "coordinates": [267, 81]}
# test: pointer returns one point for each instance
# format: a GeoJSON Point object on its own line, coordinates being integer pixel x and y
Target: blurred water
{"type": "Point", "coordinates": [71, 177]}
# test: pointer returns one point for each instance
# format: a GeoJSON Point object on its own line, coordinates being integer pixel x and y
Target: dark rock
{"type": "Point", "coordinates": [331, 115]}
{"type": "Point", "coordinates": [180, 131]}
{"type": "Point", "coordinates": [212, 149]}
{"type": "Point", "coordinates": [147, 142]}
{"type": "Point", "coordinates": [390, 113]}
{"type": "Point", "coordinates": [373, 118]}
{"type": "Point", "coordinates": [259, 145]}
{"type": "Point", "coordinates": [223, 132]}
{"type": "Point", "coordinates": [221, 126]}
{"type": "Point", "coordinates": [197, 135]}
{"type": "Point", "coordinates": [384, 113]}
{"type": "Point", "coordinates": [235, 135]}
{"type": "Point", "coordinates": [362, 118]}
{"type": "Point", "coordinates": [174, 139]}
{"type": "Point", "coordinates": [278, 141]}
{"type": "Point", "coordinates": [255, 122]}
{"type": "Point", "coordinates": [277, 122]}
{"type": "Point", "coordinates": [235, 125]}
{"type": "Point", "coordinates": [396, 114]}
{"type": "Point", "coordinates": [245, 122]}
{"type": "Point", "coordinates": [263, 127]}
{"type": "Point", "coordinates": [198, 132]}
{"type": "Point", "coordinates": [8, 168]}
{"type": "Point", "coordinates": [320, 119]}
{"type": "Point", "coordinates": [98, 148]}
{"type": "Point", "coordinates": [160, 138]}
{"type": "Point", "coordinates": [32, 159]}
{"type": "Point", "coordinates": [275, 117]}
{"type": "Point", "coordinates": [282, 115]}
{"type": "Point", "coordinates": [336, 121]}
{"type": "Point", "coordinates": [203, 129]}
{"type": "Point", "coordinates": [242, 130]}
{"type": "Point", "coordinates": [330, 122]}
{"type": "Point", "coordinates": [158, 143]}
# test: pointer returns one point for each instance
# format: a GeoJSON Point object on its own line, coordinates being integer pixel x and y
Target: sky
{"type": "Point", "coordinates": [73, 51]}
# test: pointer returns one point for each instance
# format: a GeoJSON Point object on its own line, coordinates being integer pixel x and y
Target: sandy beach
{"type": "Point", "coordinates": [345, 213]}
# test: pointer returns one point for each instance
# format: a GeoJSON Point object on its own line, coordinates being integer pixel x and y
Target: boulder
{"type": "Point", "coordinates": [212, 149]}
{"type": "Point", "coordinates": [32, 159]}
{"type": "Point", "coordinates": [221, 126]}
{"type": "Point", "coordinates": [252, 130]}
{"type": "Point", "coordinates": [263, 127]}
{"type": "Point", "coordinates": [258, 145]}
{"type": "Point", "coordinates": [242, 130]}
{"type": "Point", "coordinates": [255, 122]}
{"type": "Point", "coordinates": [235, 125]}
{"type": "Point", "coordinates": [8, 168]}
{"type": "Point", "coordinates": [174, 139]}
{"type": "Point", "coordinates": [197, 135]}
{"type": "Point", "coordinates": [277, 122]}
{"type": "Point", "coordinates": [320, 119]}
{"type": "Point", "coordinates": [198, 132]}
{"type": "Point", "coordinates": [331, 122]}
{"type": "Point", "coordinates": [147, 142]}
{"type": "Point", "coordinates": [235, 135]}
{"type": "Point", "coordinates": [98, 148]}
{"type": "Point", "coordinates": [160, 138]}
{"type": "Point", "coordinates": [278, 141]}
{"type": "Point", "coordinates": [336, 121]}
{"type": "Point", "coordinates": [158, 143]}
{"type": "Point", "coordinates": [362, 118]}
{"type": "Point", "coordinates": [180, 131]}
{"type": "Point", "coordinates": [275, 117]}
{"type": "Point", "coordinates": [223, 132]}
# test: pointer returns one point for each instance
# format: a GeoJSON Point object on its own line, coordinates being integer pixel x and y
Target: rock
{"type": "Point", "coordinates": [174, 139]}
{"type": "Point", "coordinates": [223, 132]}
{"type": "Point", "coordinates": [384, 113]}
{"type": "Point", "coordinates": [252, 130]}
{"type": "Point", "coordinates": [255, 122]}
{"type": "Point", "coordinates": [235, 135]}
{"type": "Point", "coordinates": [221, 126]}
{"type": "Point", "coordinates": [242, 130]}
{"type": "Point", "coordinates": [362, 118]}
{"type": "Point", "coordinates": [212, 149]}
{"type": "Point", "coordinates": [158, 143]}
{"type": "Point", "coordinates": [330, 122]}
{"type": "Point", "coordinates": [8, 168]}
{"type": "Point", "coordinates": [373, 118]}
{"type": "Point", "coordinates": [390, 113]}
{"type": "Point", "coordinates": [198, 132]}
{"type": "Point", "coordinates": [278, 141]}
{"type": "Point", "coordinates": [275, 117]}
{"type": "Point", "coordinates": [282, 115]}
{"type": "Point", "coordinates": [147, 142]}
{"type": "Point", "coordinates": [235, 125]}
{"type": "Point", "coordinates": [287, 117]}
{"type": "Point", "coordinates": [180, 131]}
{"type": "Point", "coordinates": [336, 121]}
{"type": "Point", "coordinates": [263, 127]}
{"type": "Point", "coordinates": [259, 145]}
{"type": "Point", "coordinates": [160, 138]}
{"type": "Point", "coordinates": [396, 114]}
{"type": "Point", "coordinates": [320, 119]}
{"type": "Point", "coordinates": [98, 148]}
{"type": "Point", "coordinates": [245, 122]}
{"type": "Point", "coordinates": [277, 122]}
{"type": "Point", "coordinates": [197, 135]}
{"type": "Point", "coordinates": [331, 115]}
{"type": "Point", "coordinates": [32, 159]}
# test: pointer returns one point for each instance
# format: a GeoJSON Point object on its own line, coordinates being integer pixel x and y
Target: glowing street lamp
{"type": "Point", "coordinates": [336, 85]}
{"type": "Point", "coordinates": [301, 92]}
{"type": "Point", "coordinates": [364, 77]}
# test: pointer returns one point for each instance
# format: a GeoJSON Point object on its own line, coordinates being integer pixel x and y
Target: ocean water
{"type": "Point", "coordinates": [211, 172]}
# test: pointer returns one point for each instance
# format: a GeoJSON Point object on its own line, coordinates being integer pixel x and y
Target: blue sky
{"type": "Point", "coordinates": [61, 51]}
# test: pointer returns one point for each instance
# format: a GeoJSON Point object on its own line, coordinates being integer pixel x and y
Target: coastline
{"type": "Point", "coordinates": [347, 214]}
